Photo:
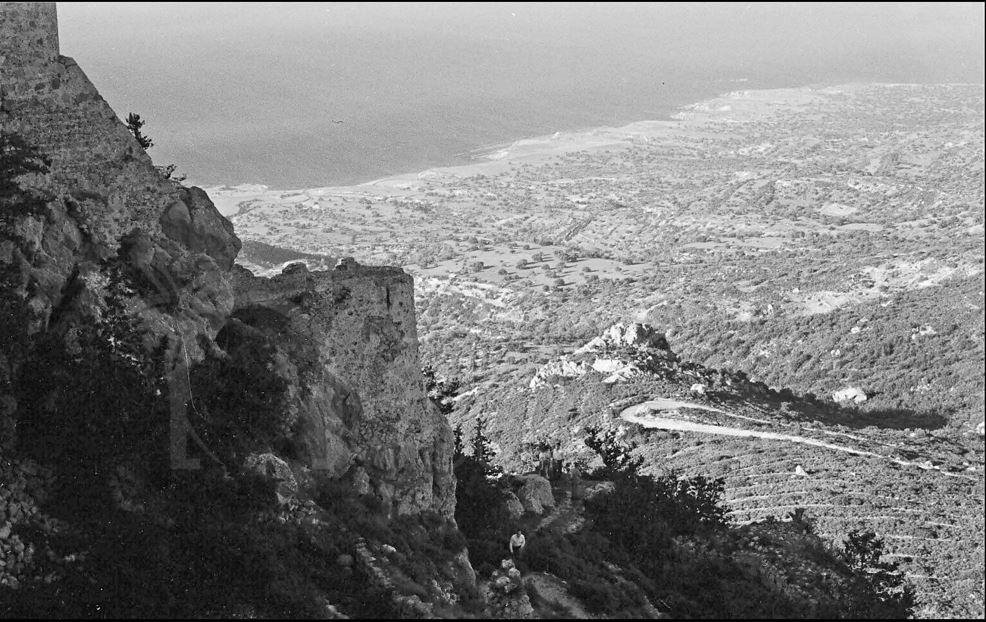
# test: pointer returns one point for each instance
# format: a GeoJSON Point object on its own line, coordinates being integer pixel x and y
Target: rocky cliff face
{"type": "Point", "coordinates": [102, 189]}
{"type": "Point", "coordinates": [347, 337]}
{"type": "Point", "coordinates": [356, 382]}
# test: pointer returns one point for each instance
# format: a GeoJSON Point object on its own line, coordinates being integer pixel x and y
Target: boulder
{"type": "Point", "coordinates": [329, 611]}
{"type": "Point", "coordinates": [594, 489]}
{"type": "Point", "coordinates": [849, 395]}
{"type": "Point", "coordinates": [195, 223]}
{"type": "Point", "coordinates": [515, 509]}
{"type": "Point", "coordinates": [270, 466]}
{"type": "Point", "coordinates": [462, 570]}
{"type": "Point", "coordinates": [535, 494]}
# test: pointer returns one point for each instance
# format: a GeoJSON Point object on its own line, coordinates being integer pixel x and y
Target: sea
{"type": "Point", "coordinates": [301, 95]}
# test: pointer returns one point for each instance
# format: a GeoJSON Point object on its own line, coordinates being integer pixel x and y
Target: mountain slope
{"type": "Point", "coordinates": [776, 451]}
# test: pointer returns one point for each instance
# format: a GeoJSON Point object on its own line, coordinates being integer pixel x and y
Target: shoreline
{"type": "Point", "coordinates": [477, 155]}
{"type": "Point", "coordinates": [737, 106]}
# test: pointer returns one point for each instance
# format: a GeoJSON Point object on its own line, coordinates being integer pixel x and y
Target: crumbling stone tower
{"type": "Point", "coordinates": [28, 30]}
{"type": "Point", "coordinates": [47, 99]}
{"type": "Point", "coordinates": [353, 356]}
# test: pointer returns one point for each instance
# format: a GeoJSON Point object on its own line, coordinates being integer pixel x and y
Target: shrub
{"type": "Point", "coordinates": [644, 513]}
{"type": "Point", "coordinates": [93, 396]}
{"type": "Point", "coordinates": [239, 404]}
{"type": "Point", "coordinates": [441, 391]}
{"type": "Point", "coordinates": [19, 158]}
{"type": "Point", "coordinates": [479, 497]}
{"type": "Point", "coordinates": [134, 123]}
{"type": "Point", "coordinates": [879, 588]}
{"type": "Point", "coordinates": [581, 559]}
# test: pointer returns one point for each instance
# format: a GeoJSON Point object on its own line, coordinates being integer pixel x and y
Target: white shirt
{"type": "Point", "coordinates": [518, 541]}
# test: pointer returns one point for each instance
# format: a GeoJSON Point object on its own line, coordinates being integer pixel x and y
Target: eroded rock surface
{"type": "Point", "coordinates": [102, 190]}
{"type": "Point", "coordinates": [357, 390]}
{"type": "Point", "coordinates": [535, 494]}
{"type": "Point", "coordinates": [346, 338]}
{"type": "Point", "coordinates": [621, 352]}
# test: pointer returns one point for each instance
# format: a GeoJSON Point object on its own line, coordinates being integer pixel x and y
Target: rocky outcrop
{"type": "Point", "coordinates": [515, 509]}
{"type": "Point", "coordinates": [635, 335]}
{"type": "Point", "coordinates": [104, 200]}
{"type": "Point", "coordinates": [535, 494]}
{"type": "Point", "coordinates": [356, 386]}
{"type": "Point", "coordinates": [346, 338]}
{"type": "Point", "coordinates": [461, 567]}
{"type": "Point", "coordinates": [269, 466]}
{"type": "Point", "coordinates": [623, 351]}
{"type": "Point", "coordinates": [195, 223]}
{"type": "Point", "coordinates": [505, 594]}
{"type": "Point", "coordinates": [849, 395]}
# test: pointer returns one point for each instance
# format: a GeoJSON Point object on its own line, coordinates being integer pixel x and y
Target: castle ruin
{"type": "Point", "coordinates": [357, 385]}
{"type": "Point", "coordinates": [28, 31]}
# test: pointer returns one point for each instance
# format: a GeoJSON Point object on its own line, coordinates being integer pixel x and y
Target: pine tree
{"type": "Point", "coordinates": [482, 451]}
{"type": "Point", "coordinates": [19, 158]}
{"type": "Point", "coordinates": [880, 591]}
{"type": "Point", "coordinates": [643, 513]}
{"type": "Point", "coordinates": [134, 123]}
{"type": "Point", "coordinates": [479, 502]}
{"type": "Point", "coordinates": [617, 462]}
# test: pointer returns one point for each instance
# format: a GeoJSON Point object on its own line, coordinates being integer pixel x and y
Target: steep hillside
{"type": "Point", "coordinates": [177, 436]}
{"type": "Point", "coordinates": [612, 540]}
{"type": "Point", "coordinates": [776, 451]}
{"type": "Point", "coordinates": [181, 437]}
{"type": "Point", "coordinates": [827, 240]}
{"type": "Point", "coordinates": [760, 227]}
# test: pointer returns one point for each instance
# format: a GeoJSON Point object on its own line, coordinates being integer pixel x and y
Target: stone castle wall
{"type": "Point", "coordinates": [101, 185]}
{"type": "Point", "coordinates": [28, 30]}
{"type": "Point", "coordinates": [361, 403]}
{"type": "Point", "coordinates": [49, 100]}
{"type": "Point", "coordinates": [357, 382]}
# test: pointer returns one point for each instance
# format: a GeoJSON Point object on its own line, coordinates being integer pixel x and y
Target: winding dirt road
{"type": "Point", "coordinates": [643, 414]}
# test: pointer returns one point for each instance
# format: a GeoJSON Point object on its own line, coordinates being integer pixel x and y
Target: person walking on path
{"type": "Point", "coordinates": [517, 544]}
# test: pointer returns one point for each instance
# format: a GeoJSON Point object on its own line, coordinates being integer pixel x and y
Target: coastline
{"type": "Point", "coordinates": [738, 106]}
